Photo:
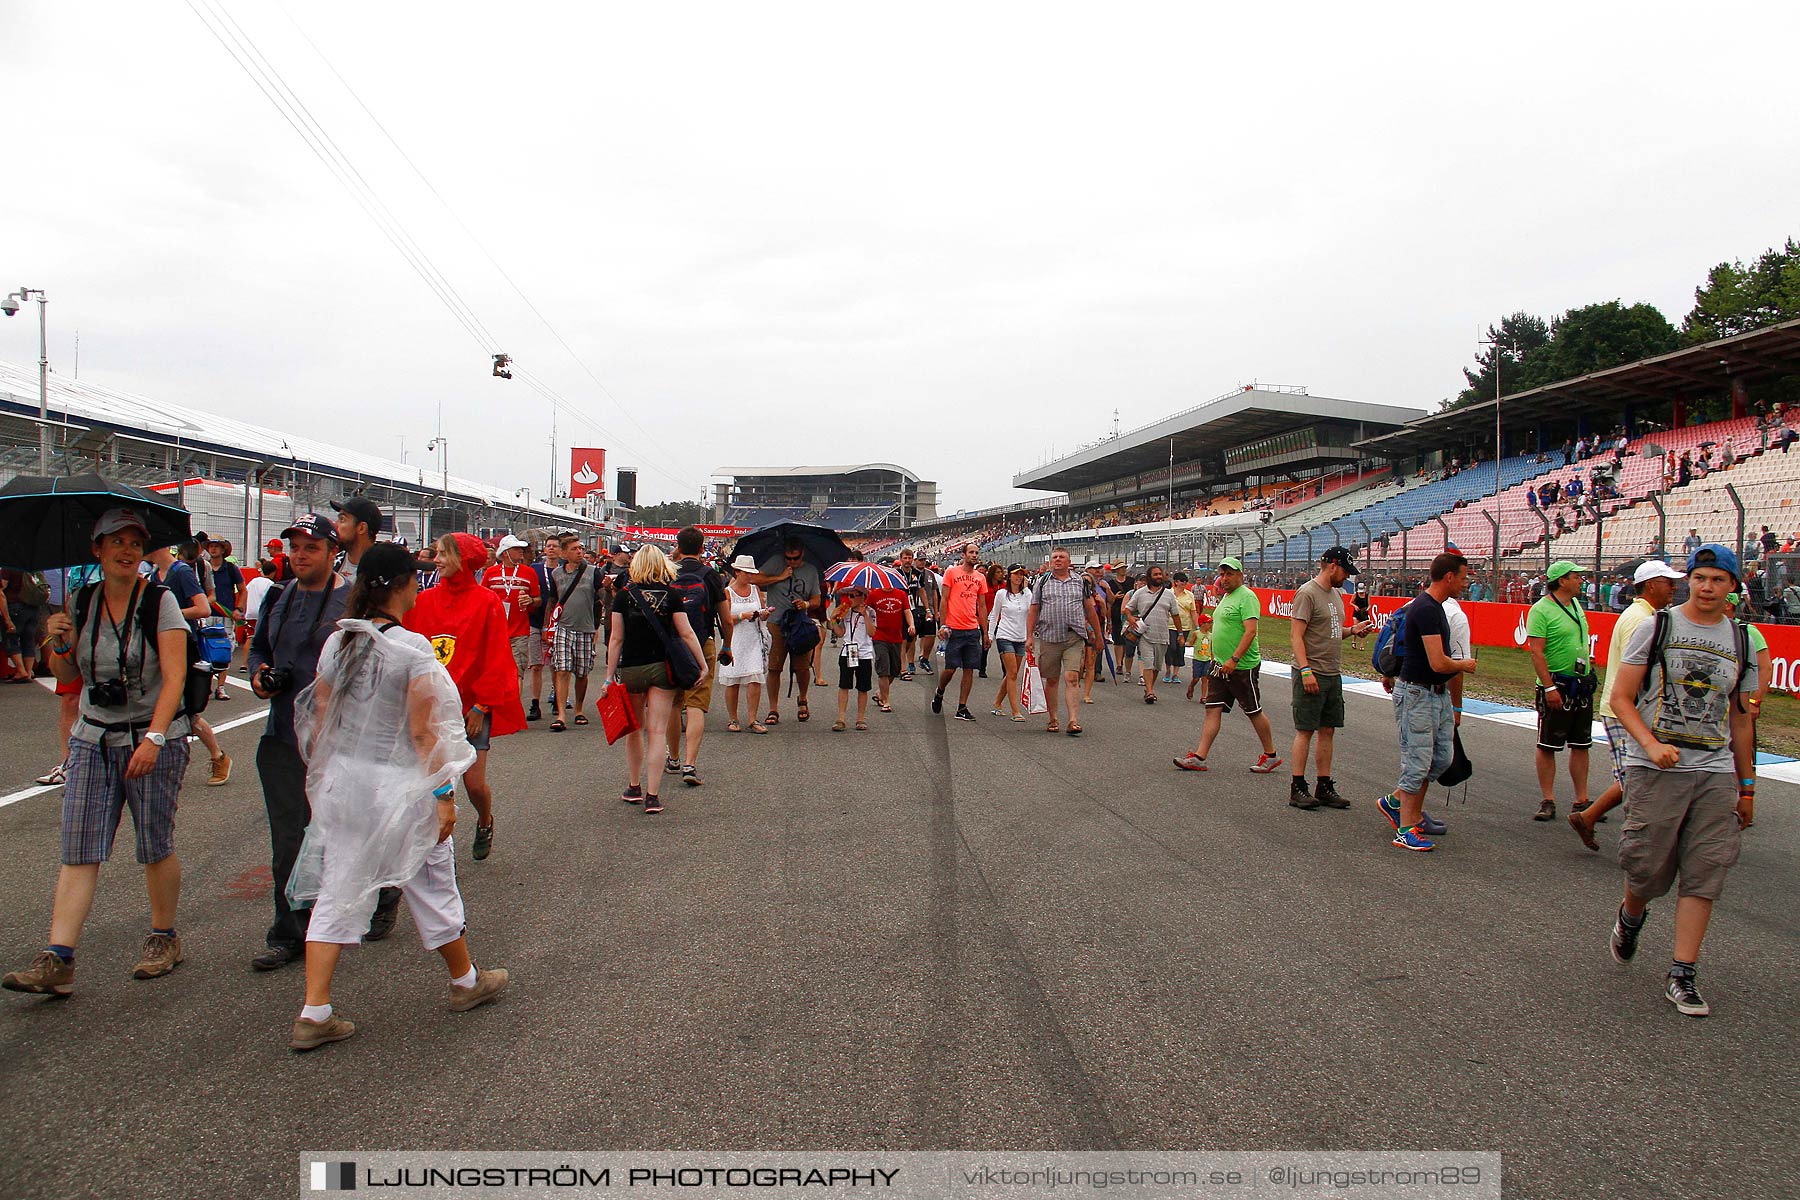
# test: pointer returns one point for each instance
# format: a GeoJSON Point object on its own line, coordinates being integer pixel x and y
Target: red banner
{"type": "Point", "coordinates": [648, 533]}
{"type": "Point", "coordinates": [1504, 625]}
{"type": "Point", "coordinates": [587, 471]}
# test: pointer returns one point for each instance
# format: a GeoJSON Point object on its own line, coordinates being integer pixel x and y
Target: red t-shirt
{"type": "Point", "coordinates": [889, 606]}
{"type": "Point", "coordinates": [963, 590]}
{"type": "Point", "coordinates": [516, 587]}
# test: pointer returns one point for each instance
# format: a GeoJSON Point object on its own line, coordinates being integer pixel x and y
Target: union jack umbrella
{"type": "Point", "coordinates": [865, 575]}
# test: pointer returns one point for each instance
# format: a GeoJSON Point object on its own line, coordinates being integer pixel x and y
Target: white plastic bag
{"type": "Point", "coordinates": [1031, 689]}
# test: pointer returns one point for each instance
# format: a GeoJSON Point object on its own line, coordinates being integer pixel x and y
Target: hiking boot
{"type": "Point", "coordinates": [310, 1035]}
{"type": "Point", "coordinates": [963, 713]}
{"type": "Point", "coordinates": [1625, 937]}
{"type": "Point", "coordinates": [484, 841]}
{"type": "Point", "coordinates": [162, 954]}
{"type": "Point", "coordinates": [1686, 997]}
{"type": "Point", "coordinates": [48, 975]}
{"type": "Point", "coordinates": [1300, 797]}
{"type": "Point", "coordinates": [1327, 794]}
{"type": "Point", "coordinates": [1191, 762]}
{"type": "Point", "coordinates": [534, 713]}
{"type": "Point", "coordinates": [54, 776]}
{"type": "Point", "coordinates": [1266, 763]}
{"type": "Point", "coordinates": [487, 985]}
{"type": "Point", "coordinates": [690, 775]}
{"type": "Point", "coordinates": [221, 770]}
{"type": "Point", "coordinates": [1409, 839]}
{"type": "Point", "coordinates": [273, 958]}
{"type": "Point", "coordinates": [1546, 811]}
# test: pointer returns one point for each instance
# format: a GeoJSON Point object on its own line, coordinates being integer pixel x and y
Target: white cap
{"type": "Point", "coordinates": [509, 542]}
{"type": "Point", "coordinates": [1654, 568]}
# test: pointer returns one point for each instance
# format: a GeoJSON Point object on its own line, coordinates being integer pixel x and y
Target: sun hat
{"type": "Point", "coordinates": [745, 562]}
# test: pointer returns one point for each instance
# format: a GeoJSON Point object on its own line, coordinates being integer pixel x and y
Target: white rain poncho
{"type": "Point", "coordinates": [381, 728]}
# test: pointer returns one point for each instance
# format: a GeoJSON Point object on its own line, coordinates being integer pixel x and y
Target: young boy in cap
{"type": "Point", "coordinates": [1689, 670]}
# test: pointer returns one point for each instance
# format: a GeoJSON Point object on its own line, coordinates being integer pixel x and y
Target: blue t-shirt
{"type": "Point", "coordinates": [185, 584]}
{"type": "Point", "coordinates": [227, 582]}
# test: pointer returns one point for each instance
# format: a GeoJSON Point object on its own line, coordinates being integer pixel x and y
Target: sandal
{"type": "Point", "coordinates": [804, 712]}
{"type": "Point", "coordinates": [906, 674]}
{"type": "Point", "coordinates": [774, 718]}
{"type": "Point", "coordinates": [883, 706]}
{"type": "Point", "coordinates": [1053, 727]}
{"type": "Point", "coordinates": [837, 727]}
{"type": "Point", "coordinates": [1073, 731]}
{"type": "Point", "coordinates": [758, 727]}
{"type": "Point", "coordinates": [862, 727]}
{"type": "Point", "coordinates": [1018, 717]}
{"type": "Point", "coordinates": [581, 718]}
{"type": "Point", "coordinates": [557, 726]}
{"type": "Point", "coordinates": [734, 727]}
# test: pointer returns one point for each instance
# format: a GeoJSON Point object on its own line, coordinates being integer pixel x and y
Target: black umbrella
{"type": "Point", "coordinates": [821, 547]}
{"type": "Point", "coordinates": [48, 521]}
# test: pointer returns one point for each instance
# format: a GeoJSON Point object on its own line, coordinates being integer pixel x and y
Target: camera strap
{"type": "Point", "coordinates": [287, 601]}
{"type": "Point", "coordinates": [123, 633]}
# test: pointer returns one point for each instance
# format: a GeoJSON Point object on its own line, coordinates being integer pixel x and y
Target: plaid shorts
{"type": "Point", "coordinates": [572, 651]}
{"type": "Point", "coordinates": [97, 793]}
{"type": "Point", "coordinates": [1619, 742]}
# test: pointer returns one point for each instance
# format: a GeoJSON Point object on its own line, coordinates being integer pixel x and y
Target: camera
{"type": "Point", "coordinates": [275, 680]}
{"type": "Point", "coordinates": [109, 693]}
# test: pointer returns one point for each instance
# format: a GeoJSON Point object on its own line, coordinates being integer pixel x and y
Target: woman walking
{"type": "Point", "coordinates": [1012, 604]}
{"type": "Point", "coordinates": [749, 645]}
{"type": "Point", "coordinates": [127, 749]}
{"type": "Point", "coordinates": [645, 619]}
{"type": "Point", "coordinates": [384, 735]}
{"type": "Point", "coordinates": [466, 626]}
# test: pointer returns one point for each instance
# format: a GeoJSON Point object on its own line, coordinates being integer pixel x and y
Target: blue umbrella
{"type": "Point", "coordinates": [48, 521]}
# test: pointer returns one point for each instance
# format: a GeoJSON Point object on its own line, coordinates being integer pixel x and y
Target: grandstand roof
{"type": "Point", "coordinates": [1224, 421]}
{"type": "Point", "coordinates": [108, 410]}
{"type": "Point", "coordinates": [1704, 370]}
{"type": "Point", "coordinates": [808, 472]}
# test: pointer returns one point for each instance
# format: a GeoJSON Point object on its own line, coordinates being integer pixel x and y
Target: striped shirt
{"type": "Point", "coordinates": [1061, 616]}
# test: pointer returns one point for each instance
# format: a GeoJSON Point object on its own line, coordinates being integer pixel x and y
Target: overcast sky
{"type": "Point", "coordinates": [953, 237]}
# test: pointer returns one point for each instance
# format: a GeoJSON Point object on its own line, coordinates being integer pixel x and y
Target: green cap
{"type": "Point", "coordinates": [1560, 568]}
{"type": "Point", "coordinates": [1231, 564]}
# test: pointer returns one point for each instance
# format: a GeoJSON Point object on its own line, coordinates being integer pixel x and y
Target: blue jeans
{"type": "Point", "coordinates": [1427, 721]}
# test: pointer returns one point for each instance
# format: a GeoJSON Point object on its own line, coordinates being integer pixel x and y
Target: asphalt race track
{"type": "Point", "coordinates": [930, 935]}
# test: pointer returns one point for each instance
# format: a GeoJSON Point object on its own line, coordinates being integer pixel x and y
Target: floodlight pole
{"type": "Point", "coordinates": [22, 295]}
{"type": "Point", "coordinates": [1499, 484]}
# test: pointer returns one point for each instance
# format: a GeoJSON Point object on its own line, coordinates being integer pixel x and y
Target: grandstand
{"type": "Point", "coordinates": [860, 498]}
{"type": "Point", "coordinates": [242, 481]}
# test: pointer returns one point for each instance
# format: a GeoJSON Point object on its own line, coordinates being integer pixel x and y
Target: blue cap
{"type": "Point", "coordinates": [1714, 555]}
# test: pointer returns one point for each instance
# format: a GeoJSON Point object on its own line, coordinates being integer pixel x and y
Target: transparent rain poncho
{"type": "Point", "coordinates": [381, 728]}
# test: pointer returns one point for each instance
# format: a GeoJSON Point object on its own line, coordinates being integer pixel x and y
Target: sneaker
{"type": "Point", "coordinates": [221, 770]}
{"type": "Point", "coordinates": [1191, 762]}
{"type": "Point", "coordinates": [671, 764]}
{"type": "Point", "coordinates": [310, 1035]}
{"type": "Point", "coordinates": [1625, 938]}
{"type": "Point", "coordinates": [273, 958]}
{"type": "Point", "coordinates": [381, 921]}
{"type": "Point", "coordinates": [1686, 997]}
{"type": "Point", "coordinates": [1409, 839]}
{"type": "Point", "coordinates": [487, 985]}
{"type": "Point", "coordinates": [1300, 797]}
{"type": "Point", "coordinates": [928, 668]}
{"type": "Point", "coordinates": [55, 776]}
{"type": "Point", "coordinates": [652, 802]}
{"type": "Point", "coordinates": [1431, 826]}
{"type": "Point", "coordinates": [963, 713]}
{"type": "Point", "coordinates": [937, 702]}
{"type": "Point", "coordinates": [484, 841]}
{"type": "Point", "coordinates": [47, 975]}
{"type": "Point", "coordinates": [1266, 763]}
{"type": "Point", "coordinates": [1328, 796]}
{"type": "Point", "coordinates": [1390, 808]}
{"type": "Point", "coordinates": [162, 954]}
{"type": "Point", "coordinates": [633, 795]}
{"type": "Point", "coordinates": [690, 775]}
{"type": "Point", "coordinates": [534, 713]}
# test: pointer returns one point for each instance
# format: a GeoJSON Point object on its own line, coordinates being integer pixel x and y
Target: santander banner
{"type": "Point", "coordinates": [1504, 625]}
{"type": "Point", "coordinates": [587, 471]}
{"type": "Point", "coordinates": [652, 533]}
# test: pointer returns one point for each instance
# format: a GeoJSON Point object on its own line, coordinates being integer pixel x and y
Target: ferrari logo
{"type": "Point", "coordinates": [444, 645]}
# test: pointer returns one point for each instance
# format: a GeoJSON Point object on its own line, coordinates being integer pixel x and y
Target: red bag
{"type": "Point", "coordinates": [617, 717]}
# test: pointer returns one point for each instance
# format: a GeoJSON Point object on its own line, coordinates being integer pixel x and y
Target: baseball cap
{"type": "Point", "coordinates": [115, 519]}
{"type": "Point", "coordinates": [363, 509]}
{"type": "Point", "coordinates": [509, 542]}
{"type": "Point", "coordinates": [272, 544]}
{"type": "Point", "coordinates": [1231, 563]}
{"type": "Point", "coordinates": [313, 525]}
{"type": "Point", "coordinates": [1654, 568]}
{"type": "Point", "coordinates": [1340, 557]}
{"type": "Point", "coordinates": [1714, 555]}
{"type": "Point", "coordinates": [1561, 567]}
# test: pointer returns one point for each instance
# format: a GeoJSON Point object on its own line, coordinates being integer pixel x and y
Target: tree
{"type": "Point", "coordinates": [1598, 336]}
{"type": "Point", "coordinates": [1737, 298]}
{"type": "Point", "coordinates": [1523, 331]}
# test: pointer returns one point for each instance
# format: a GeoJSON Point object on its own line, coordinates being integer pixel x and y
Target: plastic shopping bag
{"type": "Point", "coordinates": [1031, 689]}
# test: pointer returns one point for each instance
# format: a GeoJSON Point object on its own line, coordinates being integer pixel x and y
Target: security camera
{"type": "Point", "coordinates": [10, 305]}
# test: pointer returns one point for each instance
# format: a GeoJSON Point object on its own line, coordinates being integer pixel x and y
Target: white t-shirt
{"type": "Point", "coordinates": [1459, 629]}
{"type": "Point", "coordinates": [858, 632]}
{"type": "Point", "coordinates": [254, 591]}
{"type": "Point", "coordinates": [1006, 619]}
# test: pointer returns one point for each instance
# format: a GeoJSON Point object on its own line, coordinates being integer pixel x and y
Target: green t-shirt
{"type": "Point", "coordinates": [1564, 628]}
{"type": "Point", "coordinates": [1228, 627]}
{"type": "Point", "coordinates": [1758, 643]}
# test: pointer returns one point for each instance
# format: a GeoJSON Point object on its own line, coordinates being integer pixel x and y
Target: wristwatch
{"type": "Point", "coordinates": [158, 740]}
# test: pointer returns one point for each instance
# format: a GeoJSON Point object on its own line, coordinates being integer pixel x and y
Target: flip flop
{"type": "Point", "coordinates": [581, 718]}
{"type": "Point", "coordinates": [774, 718]}
{"type": "Point", "coordinates": [734, 727]}
{"type": "Point", "coordinates": [805, 713]}
{"type": "Point", "coordinates": [756, 728]}
{"type": "Point", "coordinates": [1073, 731]}
{"type": "Point", "coordinates": [557, 726]}
{"type": "Point", "coordinates": [884, 707]}
{"type": "Point", "coordinates": [862, 727]}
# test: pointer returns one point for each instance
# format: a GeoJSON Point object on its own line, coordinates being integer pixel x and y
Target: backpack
{"type": "Point", "coordinates": [33, 590]}
{"type": "Point", "coordinates": [1659, 635]}
{"type": "Point", "coordinates": [1390, 645]}
{"type": "Point", "coordinates": [197, 688]}
{"type": "Point", "coordinates": [695, 598]}
{"type": "Point", "coordinates": [798, 631]}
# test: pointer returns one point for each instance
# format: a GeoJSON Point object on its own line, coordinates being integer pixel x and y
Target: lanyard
{"type": "Point", "coordinates": [123, 634]}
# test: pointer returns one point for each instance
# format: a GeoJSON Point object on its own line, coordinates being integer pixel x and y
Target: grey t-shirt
{"type": "Point", "coordinates": [1154, 608]}
{"type": "Point", "coordinates": [98, 658]}
{"type": "Point", "coordinates": [1691, 710]}
{"type": "Point", "coordinates": [577, 615]}
{"type": "Point", "coordinates": [290, 631]}
{"type": "Point", "coordinates": [800, 587]}
{"type": "Point", "coordinates": [1321, 611]}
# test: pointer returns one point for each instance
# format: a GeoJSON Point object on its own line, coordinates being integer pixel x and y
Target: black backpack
{"type": "Point", "coordinates": [1659, 636]}
{"type": "Point", "coordinates": [197, 688]}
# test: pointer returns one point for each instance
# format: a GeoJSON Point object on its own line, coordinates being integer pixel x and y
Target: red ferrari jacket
{"type": "Point", "coordinates": [465, 625]}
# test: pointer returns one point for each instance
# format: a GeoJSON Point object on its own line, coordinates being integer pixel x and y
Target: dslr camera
{"type": "Point", "coordinates": [109, 693]}
{"type": "Point", "coordinates": [275, 680]}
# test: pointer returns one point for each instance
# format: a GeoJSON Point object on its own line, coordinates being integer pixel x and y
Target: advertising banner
{"type": "Point", "coordinates": [587, 471]}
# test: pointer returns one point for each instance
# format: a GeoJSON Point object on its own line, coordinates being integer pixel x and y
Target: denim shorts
{"type": "Point", "coordinates": [1005, 646]}
{"type": "Point", "coordinates": [1427, 721]}
{"type": "Point", "coordinates": [963, 650]}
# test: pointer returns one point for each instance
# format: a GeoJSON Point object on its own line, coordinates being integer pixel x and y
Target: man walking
{"type": "Point", "coordinates": [1237, 677]}
{"type": "Point", "coordinates": [702, 593]}
{"type": "Point", "coordinates": [573, 599]}
{"type": "Point", "coordinates": [1688, 669]}
{"type": "Point", "coordinates": [291, 627]}
{"type": "Point", "coordinates": [963, 614]}
{"type": "Point", "coordinates": [1654, 582]}
{"type": "Point", "coordinates": [181, 579]}
{"type": "Point", "coordinates": [1423, 705]}
{"type": "Point", "coordinates": [1316, 635]}
{"type": "Point", "coordinates": [1150, 612]}
{"type": "Point", "coordinates": [1556, 634]}
{"type": "Point", "coordinates": [1064, 619]}
{"type": "Point", "coordinates": [793, 583]}
{"type": "Point", "coordinates": [922, 591]}
{"type": "Point", "coordinates": [517, 586]}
